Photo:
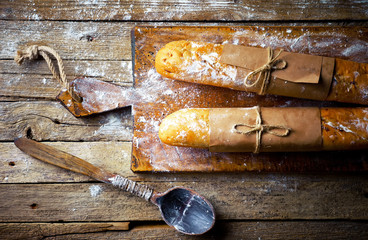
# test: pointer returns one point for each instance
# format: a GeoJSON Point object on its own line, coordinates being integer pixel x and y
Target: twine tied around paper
{"type": "Point", "coordinates": [32, 53]}
{"type": "Point", "coordinates": [264, 72]}
{"type": "Point", "coordinates": [258, 128]}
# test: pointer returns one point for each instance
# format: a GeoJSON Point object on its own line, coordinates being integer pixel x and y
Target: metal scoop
{"type": "Point", "coordinates": [181, 208]}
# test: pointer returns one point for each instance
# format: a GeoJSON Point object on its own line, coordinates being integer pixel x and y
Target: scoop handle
{"type": "Point", "coordinates": [67, 161]}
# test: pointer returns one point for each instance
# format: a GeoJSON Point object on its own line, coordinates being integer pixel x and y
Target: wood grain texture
{"type": "Point", "coordinates": [35, 196]}
{"type": "Point", "coordinates": [117, 72]}
{"type": "Point", "coordinates": [34, 80]}
{"type": "Point", "coordinates": [108, 41]}
{"type": "Point", "coordinates": [75, 41]}
{"type": "Point", "coordinates": [44, 120]}
{"type": "Point", "coordinates": [18, 167]}
{"type": "Point", "coordinates": [89, 40]}
{"type": "Point", "coordinates": [224, 230]}
{"type": "Point", "coordinates": [62, 159]}
{"type": "Point", "coordinates": [161, 96]}
{"type": "Point", "coordinates": [234, 199]}
{"type": "Point", "coordinates": [55, 230]}
{"type": "Point", "coordinates": [184, 10]}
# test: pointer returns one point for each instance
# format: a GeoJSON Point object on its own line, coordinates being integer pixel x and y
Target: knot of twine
{"type": "Point", "coordinates": [133, 187]}
{"type": "Point", "coordinates": [260, 128]}
{"type": "Point", "coordinates": [264, 72]}
{"type": "Point", "coordinates": [32, 53]}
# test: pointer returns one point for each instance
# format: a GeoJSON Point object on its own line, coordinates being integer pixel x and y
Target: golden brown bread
{"type": "Point", "coordinates": [341, 128]}
{"type": "Point", "coordinates": [199, 63]}
{"type": "Point", "coordinates": [344, 128]}
{"type": "Point", "coordinates": [186, 128]}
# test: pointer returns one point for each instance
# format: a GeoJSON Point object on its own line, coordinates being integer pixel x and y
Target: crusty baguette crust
{"type": "Point", "coordinates": [344, 128]}
{"type": "Point", "coordinates": [350, 82]}
{"type": "Point", "coordinates": [200, 63]}
{"type": "Point", "coordinates": [186, 128]}
{"type": "Point", "coordinates": [196, 62]}
{"type": "Point", "coordinates": [341, 128]}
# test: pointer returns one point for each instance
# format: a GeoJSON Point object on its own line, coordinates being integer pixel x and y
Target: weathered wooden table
{"type": "Point", "coordinates": [94, 39]}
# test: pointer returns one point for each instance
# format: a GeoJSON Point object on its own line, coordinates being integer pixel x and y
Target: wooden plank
{"type": "Point", "coordinates": [272, 200]}
{"type": "Point", "coordinates": [103, 41]}
{"type": "Point", "coordinates": [160, 97]}
{"type": "Point", "coordinates": [44, 120]}
{"type": "Point", "coordinates": [34, 80]}
{"type": "Point", "coordinates": [327, 230]}
{"type": "Point", "coordinates": [110, 41]}
{"type": "Point", "coordinates": [184, 10]}
{"type": "Point", "coordinates": [54, 230]}
{"type": "Point", "coordinates": [18, 167]}
{"type": "Point", "coordinates": [117, 72]}
{"type": "Point", "coordinates": [38, 87]}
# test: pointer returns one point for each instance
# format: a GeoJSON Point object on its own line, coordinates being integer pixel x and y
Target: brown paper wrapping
{"type": "Point", "coordinates": [304, 136]}
{"type": "Point", "coordinates": [306, 76]}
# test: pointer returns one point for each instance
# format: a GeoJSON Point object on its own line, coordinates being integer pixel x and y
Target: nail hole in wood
{"type": "Point", "coordinates": [88, 38]}
{"type": "Point", "coordinates": [29, 133]}
{"type": "Point", "coordinates": [34, 205]}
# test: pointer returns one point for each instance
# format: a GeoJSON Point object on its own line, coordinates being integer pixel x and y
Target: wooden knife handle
{"type": "Point", "coordinates": [67, 161]}
{"type": "Point", "coordinates": [62, 159]}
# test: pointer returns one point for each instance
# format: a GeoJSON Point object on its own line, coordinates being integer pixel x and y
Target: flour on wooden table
{"type": "Point", "coordinates": [95, 190]}
{"type": "Point", "coordinates": [113, 124]}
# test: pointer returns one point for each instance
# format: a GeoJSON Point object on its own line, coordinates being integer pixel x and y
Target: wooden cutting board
{"type": "Point", "coordinates": [158, 97]}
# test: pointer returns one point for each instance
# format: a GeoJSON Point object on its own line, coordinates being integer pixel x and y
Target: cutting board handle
{"type": "Point", "coordinates": [97, 96]}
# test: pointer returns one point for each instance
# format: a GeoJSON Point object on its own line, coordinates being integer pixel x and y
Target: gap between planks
{"type": "Point", "coordinates": [222, 230]}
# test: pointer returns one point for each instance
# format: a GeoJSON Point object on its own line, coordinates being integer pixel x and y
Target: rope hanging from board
{"type": "Point", "coordinates": [32, 53]}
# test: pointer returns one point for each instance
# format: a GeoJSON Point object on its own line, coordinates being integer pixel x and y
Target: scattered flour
{"type": "Point", "coordinates": [27, 164]}
{"type": "Point", "coordinates": [114, 125]}
{"type": "Point", "coordinates": [357, 48]}
{"type": "Point", "coordinates": [95, 190]}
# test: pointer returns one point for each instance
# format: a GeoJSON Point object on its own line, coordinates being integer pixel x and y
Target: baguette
{"type": "Point", "coordinates": [200, 63]}
{"type": "Point", "coordinates": [341, 128]}
{"type": "Point", "coordinates": [187, 127]}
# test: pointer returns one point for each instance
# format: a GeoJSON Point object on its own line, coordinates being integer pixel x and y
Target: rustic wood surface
{"type": "Point", "coordinates": [185, 10]}
{"type": "Point", "coordinates": [40, 201]}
